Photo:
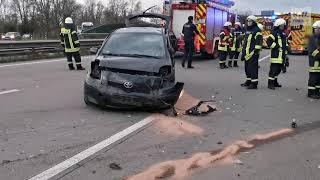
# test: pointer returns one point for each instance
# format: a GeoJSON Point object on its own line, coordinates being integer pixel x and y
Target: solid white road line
{"type": "Point", "coordinates": [35, 62]}
{"type": "Point", "coordinates": [262, 59]}
{"type": "Point", "coordinates": [9, 91]}
{"type": "Point", "coordinates": [30, 63]}
{"type": "Point", "coordinates": [59, 168]}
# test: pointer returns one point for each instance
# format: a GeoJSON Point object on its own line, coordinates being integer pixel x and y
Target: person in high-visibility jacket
{"type": "Point", "coordinates": [277, 41]}
{"type": "Point", "coordinates": [251, 51]}
{"type": "Point", "coordinates": [70, 43]}
{"type": "Point", "coordinates": [224, 43]}
{"type": "Point", "coordinates": [314, 63]}
{"type": "Point", "coordinates": [236, 46]}
{"type": "Point", "coordinates": [288, 35]}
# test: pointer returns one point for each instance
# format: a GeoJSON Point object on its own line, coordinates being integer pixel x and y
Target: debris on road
{"type": "Point", "coordinates": [115, 166]}
{"type": "Point", "coordinates": [238, 161]}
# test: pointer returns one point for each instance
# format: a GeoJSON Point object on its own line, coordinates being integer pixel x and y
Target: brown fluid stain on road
{"type": "Point", "coordinates": [174, 126]}
{"type": "Point", "coordinates": [182, 168]}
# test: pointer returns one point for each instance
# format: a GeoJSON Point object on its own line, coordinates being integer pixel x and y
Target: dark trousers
{"type": "Point", "coordinates": [188, 52]}
{"type": "Point", "coordinates": [223, 57]}
{"type": "Point", "coordinates": [76, 56]}
{"type": "Point", "coordinates": [314, 81]}
{"type": "Point", "coordinates": [234, 55]}
{"type": "Point", "coordinates": [252, 69]}
{"type": "Point", "coordinates": [275, 70]}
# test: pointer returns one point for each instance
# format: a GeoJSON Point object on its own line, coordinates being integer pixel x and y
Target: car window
{"type": "Point", "coordinates": [138, 44]}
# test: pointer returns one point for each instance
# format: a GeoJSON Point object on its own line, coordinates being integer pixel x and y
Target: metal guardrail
{"type": "Point", "coordinates": [11, 48]}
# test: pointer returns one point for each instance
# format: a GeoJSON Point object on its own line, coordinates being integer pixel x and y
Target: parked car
{"type": "Point", "coordinates": [26, 36]}
{"type": "Point", "coordinates": [12, 36]}
{"type": "Point", "coordinates": [134, 68]}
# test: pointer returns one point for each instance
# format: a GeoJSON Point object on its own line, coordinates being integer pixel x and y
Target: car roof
{"type": "Point", "coordinates": [145, 30]}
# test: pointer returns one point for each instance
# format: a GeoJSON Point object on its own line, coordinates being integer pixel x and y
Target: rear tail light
{"type": "Point", "coordinates": [95, 69]}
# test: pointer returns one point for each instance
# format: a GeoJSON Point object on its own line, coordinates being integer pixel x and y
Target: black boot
{"type": "Point", "coordinates": [223, 66]}
{"type": "Point", "coordinates": [71, 67]}
{"type": "Point", "coordinates": [271, 84]}
{"type": "Point", "coordinates": [312, 94]}
{"type": "Point", "coordinates": [246, 84]}
{"type": "Point", "coordinates": [79, 67]}
{"type": "Point", "coordinates": [276, 84]}
{"type": "Point", "coordinates": [230, 63]}
{"type": "Point", "coordinates": [253, 86]}
{"type": "Point", "coordinates": [235, 64]}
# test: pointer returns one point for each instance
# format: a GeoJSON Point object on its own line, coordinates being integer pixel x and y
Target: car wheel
{"type": "Point", "coordinates": [86, 100]}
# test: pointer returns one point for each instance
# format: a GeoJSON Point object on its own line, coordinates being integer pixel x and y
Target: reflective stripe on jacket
{"type": "Point", "coordinates": [277, 41]}
{"type": "Point", "coordinates": [314, 54]}
{"type": "Point", "coordinates": [69, 40]}
{"type": "Point", "coordinates": [252, 42]}
{"type": "Point", "coordinates": [224, 40]}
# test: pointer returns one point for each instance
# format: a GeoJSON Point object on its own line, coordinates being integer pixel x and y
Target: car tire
{"type": "Point", "coordinates": [85, 99]}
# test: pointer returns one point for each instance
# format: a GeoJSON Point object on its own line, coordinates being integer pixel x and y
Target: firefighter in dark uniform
{"type": "Point", "coordinates": [288, 35]}
{"type": "Point", "coordinates": [70, 43]}
{"type": "Point", "coordinates": [251, 51]}
{"type": "Point", "coordinates": [235, 50]}
{"type": "Point", "coordinates": [224, 44]}
{"type": "Point", "coordinates": [277, 41]}
{"type": "Point", "coordinates": [189, 31]}
{"type": "Point", "coordinates": [314, 63]}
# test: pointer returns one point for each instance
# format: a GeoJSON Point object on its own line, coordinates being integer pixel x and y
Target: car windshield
{"type": "Point", "coordinates": [10, 33]}
{"type": "Point", "coordinates": [138, 45]}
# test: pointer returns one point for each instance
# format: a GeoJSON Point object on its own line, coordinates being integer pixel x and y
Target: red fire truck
{"type": "Point", "coordinates": [210, 17]}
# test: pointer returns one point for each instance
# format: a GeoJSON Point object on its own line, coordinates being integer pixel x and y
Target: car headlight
{"type": "Point", "coordinates": [2, 37]}
{"type": "Point", "coordinates": [165, 71]}
{"type": "Point", "coordinates": [95, 69]}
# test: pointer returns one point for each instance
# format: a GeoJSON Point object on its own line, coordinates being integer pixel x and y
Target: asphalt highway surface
{"type": "Point", "coordinates": [48, 132]}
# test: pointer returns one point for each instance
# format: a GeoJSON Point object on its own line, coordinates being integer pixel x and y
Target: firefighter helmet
{"type": "Point", "coordinates": [261, 27]}
{"type": "Point", "coordinates": [68, 20]}
{"type": "Point", "coordinates": [280, 22]}
{"type": "Point", "coordinates": [252, 18]}
{"type": "Point", "coordinates": [226, 24]}
{"type": "Point", "coordinates": [316, 25]}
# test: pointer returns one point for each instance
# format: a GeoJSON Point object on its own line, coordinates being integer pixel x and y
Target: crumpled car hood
{"type": "Point", "coordinates": [137, 64]}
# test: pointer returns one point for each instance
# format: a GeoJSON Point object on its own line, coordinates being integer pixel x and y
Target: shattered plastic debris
{"type": "Point", "coordinates": [237, 161]}
{"type": "Point", "coordinates": [115, 166]}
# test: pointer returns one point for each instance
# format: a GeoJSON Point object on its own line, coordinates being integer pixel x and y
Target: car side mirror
{"type": "Point", "coordinates": [93, 50]}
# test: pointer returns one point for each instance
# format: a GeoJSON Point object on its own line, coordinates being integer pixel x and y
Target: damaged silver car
{"type": "Point", "coordinates": [134, 68]}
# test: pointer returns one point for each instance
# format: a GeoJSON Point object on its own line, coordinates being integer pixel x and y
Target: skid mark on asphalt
{"type": "Point", "coordinates": [9, 91]}
{"type": "Point", "coordinates": [182, 168]}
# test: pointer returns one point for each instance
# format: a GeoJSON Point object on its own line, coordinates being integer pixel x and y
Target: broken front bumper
{"type": "Point", "coordinates": [106, 94]}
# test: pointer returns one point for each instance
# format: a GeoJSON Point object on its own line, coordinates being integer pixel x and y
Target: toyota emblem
{"type": "Point", "coordinates": [128, 85]}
